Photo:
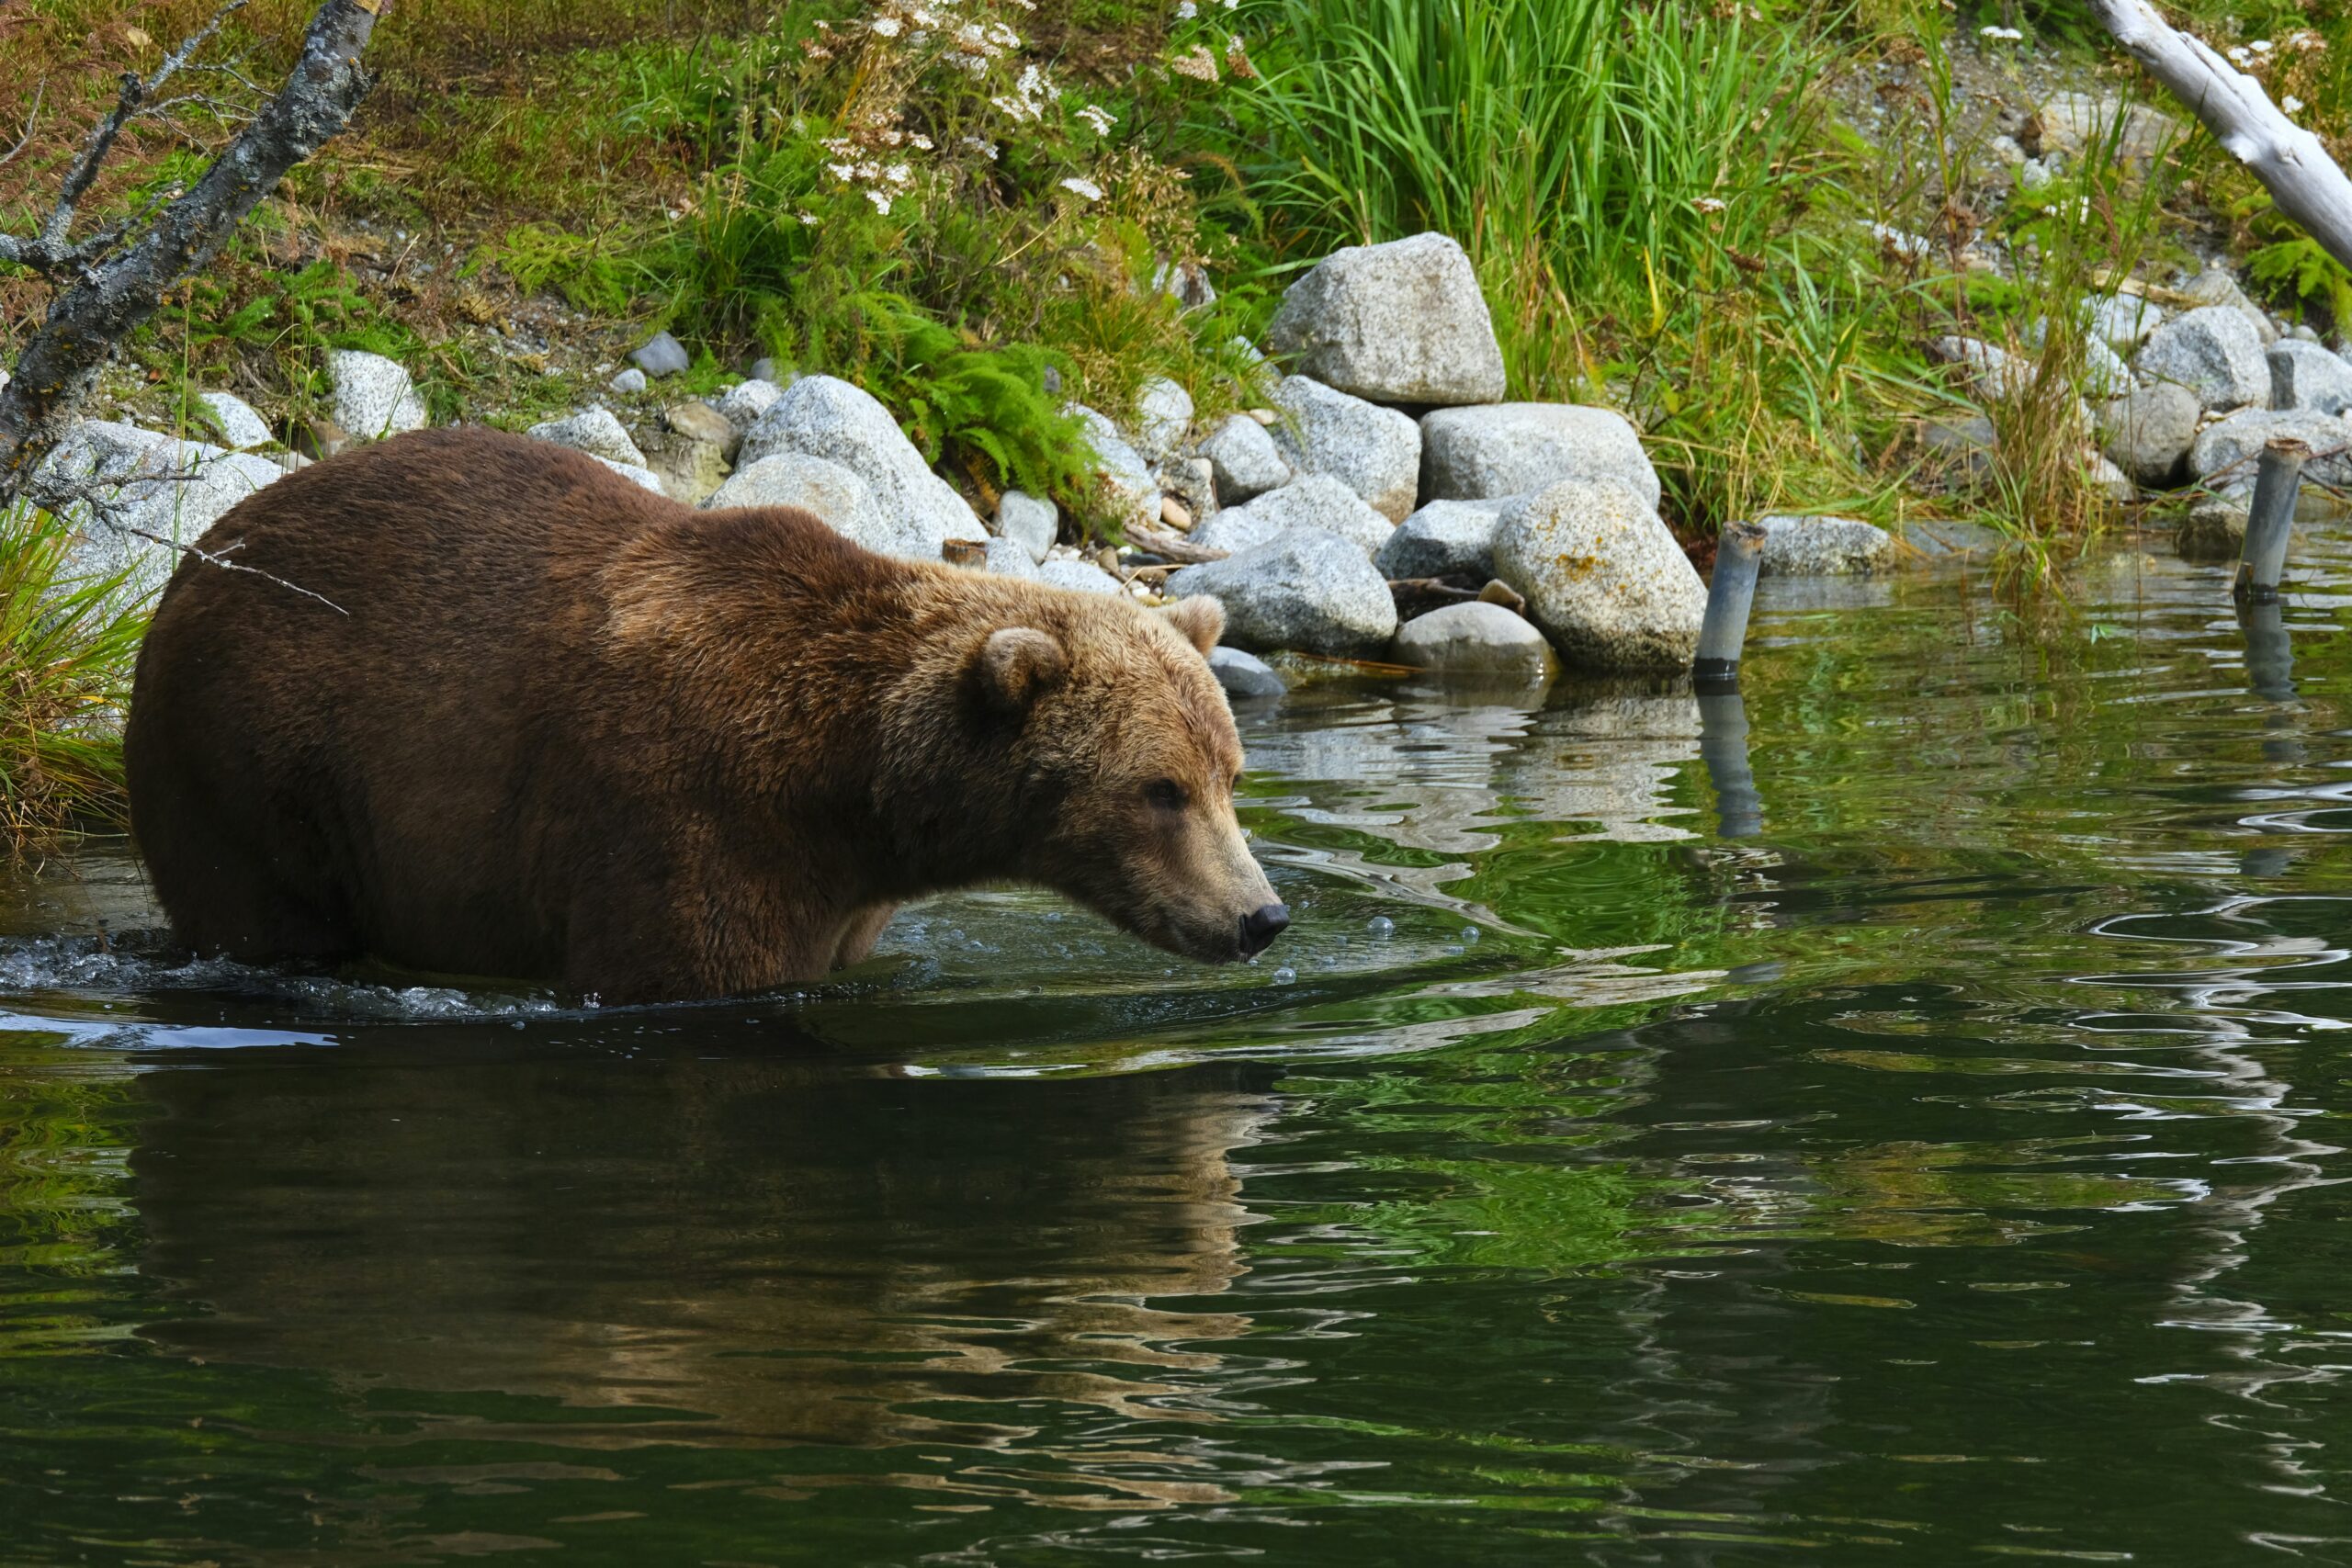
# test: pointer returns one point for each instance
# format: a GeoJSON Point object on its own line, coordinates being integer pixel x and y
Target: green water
{"type": "Point", "coordinates": [1939, 1167]}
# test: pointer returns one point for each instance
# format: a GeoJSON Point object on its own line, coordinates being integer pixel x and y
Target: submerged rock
{"type": "Point", "coordinates": [1603, 576]}
{"type": "Point", "coordinates": [1376, 452]}
{"type": "Point", "coordinates": [1505, 449]}
{"type": "Point", "coordinates": [2213, 530]}
{"type": "Point", "coordinates": [1304, 589]}
{"type": "Point", "coordinates": [1402, 323]}
{"type": "Point", "coordinates": [1478, 639]}
{"type": "Point", "coordinates": [1245, 675]}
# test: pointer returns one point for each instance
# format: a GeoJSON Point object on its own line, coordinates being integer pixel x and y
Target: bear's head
{"type": "Point", "coordinates": [1127, 761]}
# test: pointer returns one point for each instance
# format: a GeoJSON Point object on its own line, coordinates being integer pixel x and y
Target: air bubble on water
{"type": "Point", "coordinates": [1469, 933]}
{"type": "Point", "coordinates": [1381, 927]}
{"type": "Point", "coordinates": [1285, 975]}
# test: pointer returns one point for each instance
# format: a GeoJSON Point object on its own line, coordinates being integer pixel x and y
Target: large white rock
{"type": "Point", "coordinates": [821, 416]}
{"type": "Point", "coordinates": [2219, 286]}
{"type": "Point", "coordinates": [233, 421]}
{"type": "Point", "coordinates": [2306, 375]}
{"type": "Point", "coordinates": [2214, 352]}
{"type": "Point", "coordinates": [1244, 460]}
{"type": "Point", "coordinates": [1376, 452]}
{"type": "Point", "coordinates": [1479, 640]}
{"type": "Point", "coordinates": [1163, 414]}
{"type": "Point", "coordinates": [637, 474]}
{"type": "Point", "coordinates": [1304, 589]}
{"type": "Point", "coordinates": [2075, 124]}
{"type": "Point", "coordinates": [813, 484]}
{"type": "Point", "coordinates": [2122, 321]}
{"type": "Point", "coordinates": [1030, 519]}
{"type": "Point", "coordinates": [1319, 501]}
{"type": "Point", "coordinates": [373, 396]}
{"type": "Point", "coordinates": [742, 404]}
{"type": "Point", "coordinates": [1125, 488]}
{"type": "Point", "coordinates": [597, 431]}
{"type": "Point", "coordinates": [107, 481]}
{"type": "Point", "coordinates": [2228, 451]}
{"type": "Point", "coordinates": [1445, 538]}
{"type": "Point", "coordinates": [1080, 575]}
{"type": "Point", "coordinates": [1403, 322]}
{"type": "Point", "coordinates": [1603, 576]}
{"type": "Point", "coordinates": [1516, 448]}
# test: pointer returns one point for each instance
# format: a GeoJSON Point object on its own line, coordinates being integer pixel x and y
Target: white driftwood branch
{"type": "Point", "coordinates": [2290, 162]}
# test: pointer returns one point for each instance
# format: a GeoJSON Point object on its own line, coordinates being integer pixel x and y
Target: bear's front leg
{"type": "Point", "coordinates": [864, 929]}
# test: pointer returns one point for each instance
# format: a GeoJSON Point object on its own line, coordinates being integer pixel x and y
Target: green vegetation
{"type": "Point", "coordinates": [67, 642]}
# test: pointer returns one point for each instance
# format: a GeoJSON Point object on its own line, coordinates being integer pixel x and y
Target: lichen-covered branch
{"type": "Point", "coordinates": [110, 284]}
{"type": "Point", "coordinates": [2288, 160]}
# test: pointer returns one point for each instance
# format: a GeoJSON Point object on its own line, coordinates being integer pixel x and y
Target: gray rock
{"type": "Point", "coordinates": [1518, 449]}
{"type": "Point", "coordinates": [1188, 482]}
{"type": "Point", "coordinates": [593, 431]}
{"type": "Point", "coordinates": [2219, 286]}
{"type": "Point", "coordinates": [373, 396]}
{"type": "Point", "coordinates": [763, 368]}
{"type": "Point", "coordinates": [662, 355]}
{"type": "Point", "coordinates": [697, 421]}
{"type": "Point", "coordinates": [690, 467]}
{"type": "Point", "coordinates": [819, 416]}
{"type": "Point", "coordinates": [1941, 539]}
{"type": "Point", "coordinates": [2122, 321]}
{"type": "Point", "coordinates": [1163, 414]}
{"type": "Point", "coordinates": [1124, 487]}
{"type": "Point", "coordinates": [2214, 352]}
{"type": "Point", "coordinates": [1993, 373]}
{"type": "Point", "coordinates": [1964, 445]}
{"type": "Point", "coordinates": [742, 404]}
{"type": "Point", "coordinates": [1476, 639]}
{"type": "Point", "coordinates": [1187, 283]}
{"type": "Point", "coordinates": [2213, 530]}
{"type": "Point", "coordinates": [1245, 460]}
{"type": "Point", "coordinates": [2074, 124]}
{"type": "Point", "coordinates": [1081, 576]}
{"type": "Point", "coordinates": [1245, 675]}
{"type": "Point", "coordinates": [1445, 538]}
{"type": "Point", "coordinates": [2305, 376]}
{"type": "Point", "coordinates": [637, 474]}
{"type": "Point", "coordinates": [107, 481]}
{"type": "Point", "coordinates": [1376, 452]}
{"type": "Point", "coordinates": [2104, 373]}
{"type": "Point", "coordinates": [1403, 322]}
{"type": "Point", "coordinates": [2109, 479]}
{"type": "Point", "coordinates": [2148, 431]}
{"type": "Point", "coordinates": [813, 484]}
{"type": "Point", "coordinates": [232, 419]}
{"type": "Point", "coordinates": [629, 382]}
{"type": "Point", "coordinates": [1603, 576]}
{"type": "Point", "coordinates": [1031, 520]}
{"type": "Point", "coordinates": [2227, 452]}
{"type": "Point", "coordinates": [1306, 590]}
{"type": "Point", "coordinates": [1823, 547]}
{"type": "Point", "coordinates": [1009, 557]}
{"type": "Point", "coordinates": [1319, 501]}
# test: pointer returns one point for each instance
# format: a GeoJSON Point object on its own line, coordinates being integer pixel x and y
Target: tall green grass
{"type": "Point", "coordinates": [1633, 186]}
{"type": "Point", "coordinates": [67, 646]}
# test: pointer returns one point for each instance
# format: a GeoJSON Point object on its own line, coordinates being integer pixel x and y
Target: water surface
{"type": "Point", "coordinates": [1899, 1123]}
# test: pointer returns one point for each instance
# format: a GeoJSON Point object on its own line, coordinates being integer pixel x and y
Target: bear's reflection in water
{"type": "Point", "coordinates": [742, 1250]}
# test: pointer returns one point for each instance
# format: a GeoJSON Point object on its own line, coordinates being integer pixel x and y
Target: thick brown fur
{"type": "Point", "coordinates": [569, 730]}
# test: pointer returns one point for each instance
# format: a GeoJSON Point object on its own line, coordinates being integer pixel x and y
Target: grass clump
{"type": "Point", "coordinates": [67, 646]}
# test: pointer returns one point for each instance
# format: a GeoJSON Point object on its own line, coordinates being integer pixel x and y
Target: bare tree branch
{"type": "Point", "coordinates": [104, 498]}
{"type": "Point", "coordinates": [2288, 160]}
{"type": "Point", "coordinates": [112, 284]}
{"type": "Point", "coordinates": [32, 120]}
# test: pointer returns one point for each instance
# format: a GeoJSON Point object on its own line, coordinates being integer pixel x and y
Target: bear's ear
{"type": "Point", "coordinates": [1018, 663]}
{"type": "Point", "coordinates": [1201, 619]}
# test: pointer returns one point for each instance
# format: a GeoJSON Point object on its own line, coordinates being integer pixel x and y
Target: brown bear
{"type": "Point", "coordinates": [525, 719]}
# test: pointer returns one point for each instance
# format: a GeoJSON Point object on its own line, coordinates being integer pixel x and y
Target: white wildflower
{"type": "Point", "coordinates": [2238, 56]}
{"type": "Point", "coordinates": [2006, 35]}
{"type": "Point", "coordinates": [887, 27]}
{"type": "Point", "coordinates": [841, 172]}
{"type": "Point", "coordinates": [1187, 11]}
{"type": "Point", "coordinates": [898, 174]}
{"type": "Point", "coordinates": [1229, 4]}
{"type": "Point", "coordinates": [921, 141]}
{"type": "Point", "coordinates": [1099, 117]}
{"type": "Point", "coordinates": [972, 65]}
{"type": "Point", "coordinates": [808, 218]}
{"type": "Point", "coordinates": [985, 148]}
{"type": "Point", "coordinates": [2260, 46]}
{"type": "Point", "coordinates": [881, 202]}
{"type": "Point", "coordinates": [922, 19]}
{"type": "Point", "coordinates": [1002, 36]}
{"type": "Point", "coordinates": [1709, 204]}
{"type": "Point", "coordinates": [2291, 104]}
{"type": "Point", "coordinates": [1085, 189]}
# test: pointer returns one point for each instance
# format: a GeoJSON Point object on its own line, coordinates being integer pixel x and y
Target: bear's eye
{"type": "Point", "coordinates": [1167, 794]}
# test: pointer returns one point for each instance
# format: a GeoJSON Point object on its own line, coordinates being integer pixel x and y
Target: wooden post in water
{"type": "Point", "coordinates": [2270, 521]}
{"type": "Point", "coordinates": [1738, 552]}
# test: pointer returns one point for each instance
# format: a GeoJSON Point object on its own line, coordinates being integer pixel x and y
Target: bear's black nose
{"type": "Point", "coordinates": [1261, 926]}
